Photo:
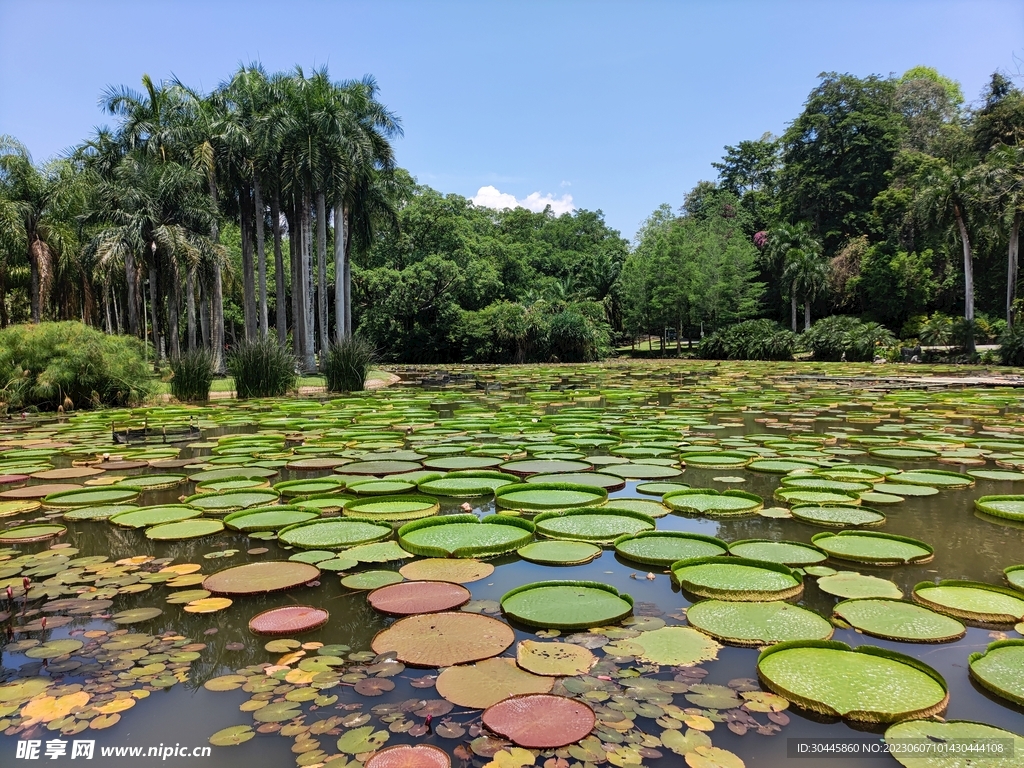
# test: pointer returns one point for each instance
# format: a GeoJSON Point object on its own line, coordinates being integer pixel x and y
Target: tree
{"type": "Point", "coordinates": [789, 245]}
{"type": "Point", "coordinates": [806, 272]}
{"type": "Point", "coordinates": [750, 171]}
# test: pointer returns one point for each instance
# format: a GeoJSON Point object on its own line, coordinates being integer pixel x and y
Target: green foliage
{"type": "Point", "coordinates": [46, 365]}
{"type": "Point", "coordinates": [192, 375]}
{"type": "Point", "coordinates": [1011, 346]}
{"type": "Point", "coordinates": [846, 338]}
{"type": "Point", "coordinates": [347, 364]}
{"type": "Point", "coordinates": [936, 330]}
{"type": "Point", "coordinates": [750, 340]}
{"type": "Point", "coordinates": [261, 368]}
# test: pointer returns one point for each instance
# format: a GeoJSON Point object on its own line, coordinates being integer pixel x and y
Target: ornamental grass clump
{"type": "Point", "coordinates": [261, 368]}
{"type": "Point", "coordinates": [347, 363]}
{"type": "Point", "coordinates": [192, 375]}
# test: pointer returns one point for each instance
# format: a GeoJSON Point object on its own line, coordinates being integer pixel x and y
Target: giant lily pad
{"type": "Point", "coordinates": [736, 578]}
{"type": "Point", "coordinates": [757, 623]}
{"type": "Point", "coordinates": [332, 533]}
{"type": "Point", "coordinates": [850, 584]}
{"type": "Point", "coordinates": [528, 467]}
{"type": "Point", "coordinates": [1007, 507]}
{"type": "Point", "coordinates": [383, 467]}
{"type": "Point", "coordinates": [444, 639]}
{"type": "Point", "coordinates": [707, 501]}
{"type": "Point", "coordinates": [186, 529]}
{"type": "Point", "coordinates": [566, 604]}
{"type": "Point", "coordinates": [411, 597]}
{"type": "Point", "coordinates": [392, 508]}
{"type": "Point", "coordinates": [25, 534]}
{"type": "Point", "coordinates": [462, 571]}
{"type": "Point", "coordinates": [478, 686]}
{"type": "Point", "coordinates": [667, 547]}
{"type": "Point", "coordinates": [558, 552]}
{"type": "Point", "coordinates": [932, 477]}
{"type": "Point", "coordinates": [146, 516]}
{"type": "Point", "coordinates": [540, 721]}
{"type": "Point", "coordinates": [838, 516]}
{"type": "Point", "coordinates": [873, 548]}
{"type": "Point", "coordinates": [222, 503]}
{"type": "Point", "coordinates": [601, 524]}
{"type": "Point", "coordinates": [465, 535]}
{"type": "Point", "coordinates": [554, 659]}
{"type": "Point", "coordinates": [87, 497]}
{"type": "Point", "coordinates": [288, 620]}
{"type": "Point", "coordinates": [972, 600]}
{"type": "Point", "coordinates": [676, 646]}
{"type": "Point", "coordinates": [897, 620]}
{"type": "Point", "coordinates": [865, 684]}
{"type": "Point", "coordinates": [268, 518]}
{"type": "Point", "coordinates": [954, 733]}
{"type": "Point", "coordinates": [791, 553]}
{"type": "Point", "coordinates": [409, 756]}
{"type": "Point", "coordinates": [1000, 669]}
{"type": "Point", "coordinates": [543, 496]}
{"type": "Point", "coordinates": [260, 578]}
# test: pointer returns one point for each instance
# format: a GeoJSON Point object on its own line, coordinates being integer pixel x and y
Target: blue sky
{"type": "Point", "coordinates": [619, 105]}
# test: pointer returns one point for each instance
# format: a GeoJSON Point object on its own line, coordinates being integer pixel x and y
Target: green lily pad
{"type": "Point", "coordinates": [229, 737]}
{"type": "Point", "coordinates": [934, 478]}
{"type": "Point", "coordinates": [371, 579]}
{"type": "Point", "coordinates": [380, 487]}
{"type": "Point", "coordinates": [676, 646]}
{"type": "Point", "coordinates": [1015, 576]}
{"type": "Point", "coordinates": [757, 623]}
{"type": "Point", "coordinates": [156, 482]}
{"type": "Point", "coordinates": [187, 529]}
{"type": "Point", "coordinates": [873, 548]}
{"type": "Point", "coordinates": [222, 503]}
{"type": "Point", "coordinates": [955, 733]}
{"type": "Point", "coordinates": [527, 467]}
{"type": "Point", "coordinates": [640, 471]}
{"type": "Point", "coordinates": [999, 475]}
{"type": "Point", "coordinates": [545, 496]}
{"type": "Point", "coordinates": [601, 480]}
{"type": "Point", "coordinates": [463, 486]}
{"type": "Point", "coordinates": [820, 498]}
{"type": "Point", "coordinates": [648, 507]}
{"type": "Point", "coordinates": [972, 601]}
{"type": "Point", "coordinates": [392, 508]}
{"type": "Point", "coordinates": [866, 684]}
{"type": "Point", "coordinates": [851, 585]}
{"type": "Point", "coordinates": [566, 604]}
{"type": "Point", "coordinates": [906, 489]}
{"type": "Point", "coordinates": [268, 518]}
{"type": "Point", "coordinates": [102, 512]}
{"type": "Point", "coordinates": [380, 467]}
{"type": "Point", "coordinates": [359, 740]}
{"type": "Point", "coordinates": [310, 487]}
{"type": "Point", "coordinates": [660, 489]}
{"type": "Point", "coordinates": [791, 553]}
{"type": "Point", "coordinates": [838, 516]}
{"type": "Point", "coordinates": [378, 552]}
{"type": "Point", "coordinates": [87, 497]}
{"type": "Point", "coordinates": [333, 533]}
{"type": "Point", "coordinates": [666, 547]}
{"type": "Point", "coordinates": [260, 578]}
{"type": "Point", "coordinates": [25, 534]}
{"type": "Point", "coordinates": [599, 525]}
{"type": "Point", "coordinates": [1007, 507]}
{"type": "Point", "coordinates": [736, 578]}
{"type": "Point", "coordinates": [708, 501]}
{"type": "Point", "coordinates": [465, 535]}
{"type": "Point", "coordinates": [146, 516]}
{"type": "Point", "coordinates": [817, 483]}
{"type": "Point", "coordinates": [559, 552]}
{"type": "Point", "coordinates": [897, 620]}
{"type": "Point", "coordinates": [1000, 669]}
{"type": "Point", "coordinates": [136, 615]}
{"type": "Point", "coordinates": [779, 466]}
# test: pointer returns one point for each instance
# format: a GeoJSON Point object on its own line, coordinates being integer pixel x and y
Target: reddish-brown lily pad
{"type": "Point", "coordinates": [410, 597]}
{"type": "Point", "coordinates": [288, 620]}
{"type": "Point", "coordinates": [260, 578]}
{"type": "Point", "coordinates": [444, 639]}
{"type": "Point", "coordinates": [38, 491]}
{"type": "Point", "coordinates": [410, 756]}
{"type": "Point", "coordinates": [540, 720]}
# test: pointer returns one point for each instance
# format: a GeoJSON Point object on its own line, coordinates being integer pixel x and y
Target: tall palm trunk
{"type": "Point", "coordinates": [295, 258]}
{"type": "Point", "coordinates": [807, 313]}
{"type": "Point", "coordinates": [173, 311]}
{"type": "Point", "coordinates": [190, 307]}
{"type": "Point", "coordinates": [968, 279]}
{"type": "Point", "coordinates": [348, 276]}
{"type": "Point", "coordinates": [1012, 266]}
{"type": "Point", "coordinates": [308, 359]}
{"type": "Point", "coordinates": [321, 262]}
{"type": "Point", "coordinates": [261, 256]}
{"type": "Point", "coordinates": [248, 274]}
{"type": "Point", "coordinates": [282, 315]}
{"type": "Point", "coordinates": [131, 275]}
{"type": "Point", "coordinates": [217, 292]}
{"type": "Point", "coordinates": [204, 314]}
{"type": "Point", "coordinates": [792, 305]}
{"type": "Point", "coordinates": [158, 348]}
{"type": "Point", "coordinates": [340, 238]}
{"type": "Point", "coordinates": [34, 298]}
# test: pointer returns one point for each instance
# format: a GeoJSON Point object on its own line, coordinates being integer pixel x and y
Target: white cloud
{"type": "Point", "coordinates": [492, 197]}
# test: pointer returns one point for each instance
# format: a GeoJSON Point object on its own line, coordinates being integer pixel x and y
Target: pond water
{"type": "Point", "coordinates": [754, 410]}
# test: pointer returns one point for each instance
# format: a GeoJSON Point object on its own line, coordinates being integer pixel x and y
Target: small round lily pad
{"type": "Point", "coordinates": [559, 552]}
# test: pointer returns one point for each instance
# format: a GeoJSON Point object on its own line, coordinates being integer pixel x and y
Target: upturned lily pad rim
{"type": "Point", "coordinates": [599, 495]}
{"type": "Point", "coordinates": [746, 642]}
{"type": "Point", "coordinates": [1013, 569]}
{"type": "Point", "coordinates": [866, 716]}
{"type": "Point", "coordinates": [609, 511]}
{"type": "Point", "coordinates": [572, 583]}
{"type": "Point", "coordinates": [985, 504]}
{"type": "Point", "coordinates": [733, 594]}
{"type": "Point", "coordinates": [683, 535]}
{"type": "Point", "coordinates": [52, 531]}
{"type": "Point", "coordinates": [384, 531]}
{"type": "Point", "coordinates": [462, 552]}
{"type": "Point", "coordinates": [974, 617]}
{"type": "Point", "coordinates": [824, 536]}
{"type": "Point", "coordinates": [837, 611]}
{"type": "Point", "coordinates": [987, 683]}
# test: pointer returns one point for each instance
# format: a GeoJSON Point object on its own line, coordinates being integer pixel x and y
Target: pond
{"type": "Point", "coordinates": [116, 634]}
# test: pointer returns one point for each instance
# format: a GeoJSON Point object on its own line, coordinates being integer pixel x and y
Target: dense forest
{"type": "Point", "coordinates": [274, 206]}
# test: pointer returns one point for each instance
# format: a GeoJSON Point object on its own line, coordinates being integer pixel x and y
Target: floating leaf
{"type": "Point", "coordinates": [540, 721]}
{"type": "Point", "coordinates": [559, 552]}
{"type": "Point", "coordinates": [136, 615]}
{"type": "Point", "coordinates": [757, 623]}
{"type": "Point", "coordinates": [288, 619]}
{"type": "Point", "coordinates": [736, 578]}
{"type": "Point", "coordinates": [1000, 669]}
{"type": "Point", "coordinates": [676, 646]}
{"type": "Point", "coordinates": [370, 579]}
{"type": "Point", "coordinates": [260, 578]}
{"type": "Point", "coordinates": [410, 597]}
{"type": "Point", "coordinates": [478, 686]}
{"type": "Point", "coordinates": [554, 659]}
{"type": "Point", "coordinates": [850, 584]}
{"type": "Point", "coordinates": [465, 535]}
{"type": "Point", "coordinates": [364, 739]}
{"type": "Point", "coordinates": [463, 571]}
{"type": "Point", "coordinates": [952, 732]}
{"type": "Point", "coordinates": [566, 604]}
{"type": "Point", "coordinates": [229, 737]}
{"type": "Point", "coordinates": [444, 639]}
{"type": "Point", "coordinates": [411, 756]}
{"type": "Point", "coordinates": [896, 620]}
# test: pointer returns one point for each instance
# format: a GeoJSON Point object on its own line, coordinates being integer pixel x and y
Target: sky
{"type": "Point", "coordinates": [598, 104]}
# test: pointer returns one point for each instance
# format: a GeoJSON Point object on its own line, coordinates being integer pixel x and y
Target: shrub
{"type": "Point", "coordinates": [261, 368]}
{"type": "Point", "coordinates": [46, 364]}
{"type": "Point", "coordinates": [192, 375]}
{"type": "Point", "coordinates": [936, 330]}
{"type": "Point", "coordinates": [846, 338]}
{"type": "Point", "coordinates": [1011, 346]}
{"type": "Point", "coordinates": [347, 364]}
{"type": "Point", "coordinates": [749, 340]}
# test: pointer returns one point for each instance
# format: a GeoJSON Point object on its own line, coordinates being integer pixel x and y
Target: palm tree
{"type": "Point", "coordinates": [37, 216]}
{"type": "Point", "coordinates": [1004, 183]}
{"type": "Point", "coordinates": [946, 195]}
{"type": "Point", "coordinates": [782, 241]}
{"type": "Point", "coordinates": [806, 272]}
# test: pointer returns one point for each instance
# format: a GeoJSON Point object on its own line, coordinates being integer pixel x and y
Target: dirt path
{"type": "Point", "coordinates": [309, 391]}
